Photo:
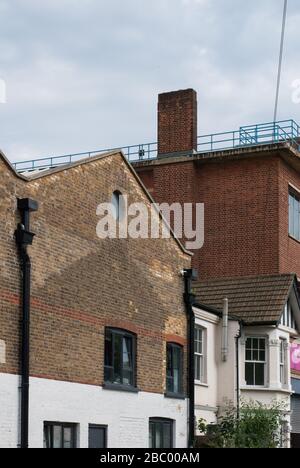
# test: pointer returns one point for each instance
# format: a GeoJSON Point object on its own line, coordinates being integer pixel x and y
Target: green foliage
{"type": "Point", "coordinates": [259, 426]}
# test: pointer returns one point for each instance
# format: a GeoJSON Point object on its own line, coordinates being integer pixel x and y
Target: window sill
{"type": "Point", "coordinates": [266, 389]}
{"type": "Point", "coordinates": [201, 384]}
{"type": "Point", "coordinates": [120, 388]}
{"type": "Point", "coordinates": [175, 396]}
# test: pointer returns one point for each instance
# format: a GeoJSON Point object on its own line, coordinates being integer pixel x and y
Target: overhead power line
{"type": "Point", "coordinates": [280, 58]}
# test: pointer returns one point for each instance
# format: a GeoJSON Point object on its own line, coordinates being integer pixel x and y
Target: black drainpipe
{"type": "Point", "coordinates": [24, 238]}
{"type": "Point", "coordinates": [237, 345]}
{"type": "Point", "coordinates": [189, 298]}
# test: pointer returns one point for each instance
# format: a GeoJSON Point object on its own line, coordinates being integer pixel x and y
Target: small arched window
{"type": "Point", "coordinates": [118, 205]}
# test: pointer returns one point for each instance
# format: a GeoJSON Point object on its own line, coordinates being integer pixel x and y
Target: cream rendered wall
{"type": "Point", "coordinates": [206, 393]}
{"type": "Point", "coordinates": [227, 389]}
{"type": "Point", "coordinates": [220, 386]}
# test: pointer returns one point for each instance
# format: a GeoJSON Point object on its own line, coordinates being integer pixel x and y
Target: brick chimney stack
{"type": "Point", "coordinates": [177, 123]}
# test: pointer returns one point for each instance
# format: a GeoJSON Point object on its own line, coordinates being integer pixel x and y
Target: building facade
{"type": "Point", "coordinates": [108, 328]}
{"type": "Point", "coordinates": [256, 360]}
{"type": "Point", "coordinates": [250, 191]}
{"type": "Point", "coordinates": [249, 183]}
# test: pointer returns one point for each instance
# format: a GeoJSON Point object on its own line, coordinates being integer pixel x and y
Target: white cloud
{"type": "Point", "coordinates": [85, 74]}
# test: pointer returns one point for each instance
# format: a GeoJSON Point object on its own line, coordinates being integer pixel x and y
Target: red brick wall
{"type": "Point", "coordinates": [241, 218]}
{"type": "Point", "coordinates": [81, 284]}
{"type": "Point", "coordinates": [289, 247]}
{"type": "Point", "coordinates": [246, 212]}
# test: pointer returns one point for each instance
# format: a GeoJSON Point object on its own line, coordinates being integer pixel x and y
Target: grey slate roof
{"type": "Point", "coordinates": [259, 299]}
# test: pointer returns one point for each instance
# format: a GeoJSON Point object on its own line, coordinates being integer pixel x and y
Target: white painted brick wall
{"type": "Point", "coordinates": [126, 415]}
{"type": "Point", "coordinates": [9, 410]}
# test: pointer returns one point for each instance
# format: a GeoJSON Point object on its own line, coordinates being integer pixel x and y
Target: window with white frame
{"type": "Point", "coordinates": [200, 355]}
{"type": "Point", "coordinates": [287, 319]}
{"type": "Point", "coordinates": [294, 215]}
{"type": "Point", "coordinates": [255, 362]}
{"type": "Point", "coordinates": [283, 362]}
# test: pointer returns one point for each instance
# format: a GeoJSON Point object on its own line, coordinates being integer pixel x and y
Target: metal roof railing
{"type": "Point", "coordinates": [251, 135]}
{"type": "Point", "coordinates": [247, 136]}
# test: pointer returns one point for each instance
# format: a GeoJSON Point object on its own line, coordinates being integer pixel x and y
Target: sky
{"type": "Point", "coordinates": [83, 75]}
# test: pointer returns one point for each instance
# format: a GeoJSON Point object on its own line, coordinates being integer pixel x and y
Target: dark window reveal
{"type": "Point", "coordinates": [174, 368]}
{"type": "Point", "coordinates": [161, 434]}
{"type": "Point", "coordinates": [97, 437]}
{"type": "Point", "coordinates": [59, 435]}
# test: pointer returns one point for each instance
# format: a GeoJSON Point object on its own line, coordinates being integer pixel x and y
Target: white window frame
{"type": "Point", "coordinates": [294, 211]}
{"type": "Point", "coordinates": [201, 356]}
{"type": "Point", "coordinates": [252, 361]}
{"type": "Point", "coordinates": [288, 319]}
{"type": "Point", "coordinates": [283, 361]}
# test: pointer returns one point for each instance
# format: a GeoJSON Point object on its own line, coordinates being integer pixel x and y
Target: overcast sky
{"type": "Point", "coordinates": [85, 74]}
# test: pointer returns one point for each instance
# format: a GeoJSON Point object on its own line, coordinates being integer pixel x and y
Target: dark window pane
{"type": "Point", "coordinates": [118, 359]}
{"type": "Point", "coordinates": [197, 368]}
{"type": "Point", "coordinates": [97, 437]}
{"type": "Point", "coordinates": [249, 344]}
{"type": "Point", "coordinates": [127, 361]}
{"type": "Point", "coordinates": [108, 349]}
{"type": "Point", "coordinates": [170, 384]}
{"type": "Point", "coordinates": [294, 216]}
{"type": "Point", "coordinates": [127, 377]}
{"type": "Point", "coordinates": [47, 437]}
{"type": "Point", "coordinates": [160, 434]}
{"type": "Point", "coordinates": [259, 374]}
{"type": "Point", "coordinates": [167, 435]}
{"type": "Point", "coordinates": [262, 344]}
{"type": "Point", "coordinates": [57, 437]}
{"type": "Point", "coordinates": [170, 380]}
{"type": "Point", "coordinates": [174, 368]}
{"type": "Point", "coordinates": [291, 216]}
{"type": "Point", "coordinates": [108, 374]}
{"type": "Point", "coordinates": [262, 355]}
{"type": "Point", "coordinates": [151, 435]}
{"type": "Point", "coordinates": [249, 373]}
{"type": "Point", "coordinates": [67, 441]}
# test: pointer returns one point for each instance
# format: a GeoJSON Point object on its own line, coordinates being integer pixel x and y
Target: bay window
{"type": "Point", "coordinates": [255, 362]}
{"type": "Point", "coordinates": [283, 362]}
{"type": "Point", "coordinates": [174, 369]}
